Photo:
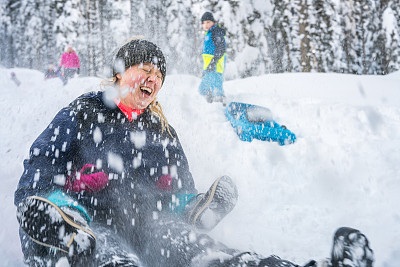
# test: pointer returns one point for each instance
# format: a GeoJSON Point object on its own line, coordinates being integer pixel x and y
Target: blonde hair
{"type": "Point", "coordinates": [156, 109]}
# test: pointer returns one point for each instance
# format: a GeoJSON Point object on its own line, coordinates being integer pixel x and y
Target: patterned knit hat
{"type": "Point", "coordinates": [139, 51]}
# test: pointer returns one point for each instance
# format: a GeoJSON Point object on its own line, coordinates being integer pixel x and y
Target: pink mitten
{"type": "Point", "coordinates": [88, 179]}
{"type": "Point", "coordinates": [164, 182]}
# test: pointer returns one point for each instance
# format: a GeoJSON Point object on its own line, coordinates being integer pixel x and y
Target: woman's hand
{"type": "Point", "coordinates": [88, 179]}
{"type": "Point", "coordinates": [164, 182]}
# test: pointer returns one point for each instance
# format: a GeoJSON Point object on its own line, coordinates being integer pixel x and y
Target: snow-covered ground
{"type": "Point", "coordinates": [342, 171]}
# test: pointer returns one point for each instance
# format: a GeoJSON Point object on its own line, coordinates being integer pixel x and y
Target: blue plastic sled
{"type": "Point", "coordinates": [251, 121]}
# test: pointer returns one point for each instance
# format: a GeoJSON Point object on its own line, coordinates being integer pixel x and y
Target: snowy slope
{"type": "Point", "coordinates": [342, 171]}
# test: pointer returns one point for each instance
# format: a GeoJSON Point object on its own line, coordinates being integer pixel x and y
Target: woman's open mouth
{"type": "Point", "coordinates": [146, 90]}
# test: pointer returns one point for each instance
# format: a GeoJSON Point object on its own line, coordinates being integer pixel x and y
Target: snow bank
{"type": "Point", "coordinates": [342, 171]}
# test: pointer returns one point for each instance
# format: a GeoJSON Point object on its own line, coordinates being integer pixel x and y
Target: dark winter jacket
{"type": "Point", "coordinates": [134, 155]}
{"type": "Point", "coordinates": [214, 49]}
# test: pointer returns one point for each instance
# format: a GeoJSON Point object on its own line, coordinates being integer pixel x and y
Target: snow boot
{"type": "Point", "coordinates": [206, 210]}
{"type": "Point", "coordinates": [209, 97]}
{"type": "Point", "coordinates": [351, 249]}
{"type": "Point", "coordinates": [250, 259]}
{"type": "Point", "coordinates": [62, 226]}
{"type": "Point", "coordinates": [220, 98]}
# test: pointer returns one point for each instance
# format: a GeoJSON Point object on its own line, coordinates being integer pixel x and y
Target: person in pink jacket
{"type": "Point", "coordinates": [70, 62]}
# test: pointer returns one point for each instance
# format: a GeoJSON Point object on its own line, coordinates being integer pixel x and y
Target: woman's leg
{"type": "Point", "coordinates": [111, 249]}
{"type": "Point", "coordinates": [174, 243]}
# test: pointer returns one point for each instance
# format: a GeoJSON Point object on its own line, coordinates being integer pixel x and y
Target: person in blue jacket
{"type": "Point", "coordinates": [214, 58]}
{"type": "Point", "coordinates": [107, 183]}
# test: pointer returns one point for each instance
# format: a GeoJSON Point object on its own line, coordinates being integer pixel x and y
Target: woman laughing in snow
{"type": "Point", "coordinates": [107, 183]}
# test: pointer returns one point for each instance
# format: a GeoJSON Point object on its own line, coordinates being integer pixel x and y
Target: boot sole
{"type": "Point", "coordinates": [207, 199]}
{"type": "Point", "coordinates": [46, 224]}
{"type": "Point", "coordinates": [351, 247]}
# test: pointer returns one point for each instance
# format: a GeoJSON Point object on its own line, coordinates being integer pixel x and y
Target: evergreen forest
{"type": "Point", "coordinates": [263, 36]}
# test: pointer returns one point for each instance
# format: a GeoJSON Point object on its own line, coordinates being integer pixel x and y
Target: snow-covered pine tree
{"type": "Point", "coordinates": [280, 41]}
{"type": "Point", "coordinates": [50, 48]}
{"type": "Point", "coordinates": [30, 22]}
{"type": "Point", "coordinates": [93, 37]}
{"type": "Point", "coordinates": [392, 53]}
{"type": "Point", "coordinates": [183, 39]}
{"type": "Point", "coordinates": [395, 7]}
{"type": "Point", "coordinates": [18, 29]}
{"type": "Point", "coordinates": [347, 36]}
{"type": "Point", "coordinates": [155, 24]}
{"type": "Point", "coordinates": [40, 42]}
{"type": "Point", "coordinates": [391, 28]}
{"type": "Point", "coordinates": [392, 14]}
{"type": "Point", "coordinates": [137, 17]}
{"type": "Point", "coordinates": [362, 12]}
{"type": "Point", "coordinates": [321, 34]}
{"type": "Point", "coordinates": [255, 51]}
{"type": "Point", "coordinates": [376, 58]}
{"type": "Point", "coordinates": [303, 7]}
{"type": "Point", "coordinates": [6, 27]}
{"type": "Point", "coordinates": [260, 22]}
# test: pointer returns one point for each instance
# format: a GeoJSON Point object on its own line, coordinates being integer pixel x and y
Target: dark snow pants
{"type": "Point", "coordinates": [161, 243]}
{"type": "Point", "coordinates": [172, 243]}
{"type": "Point", "coordinates": [69, 73]}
